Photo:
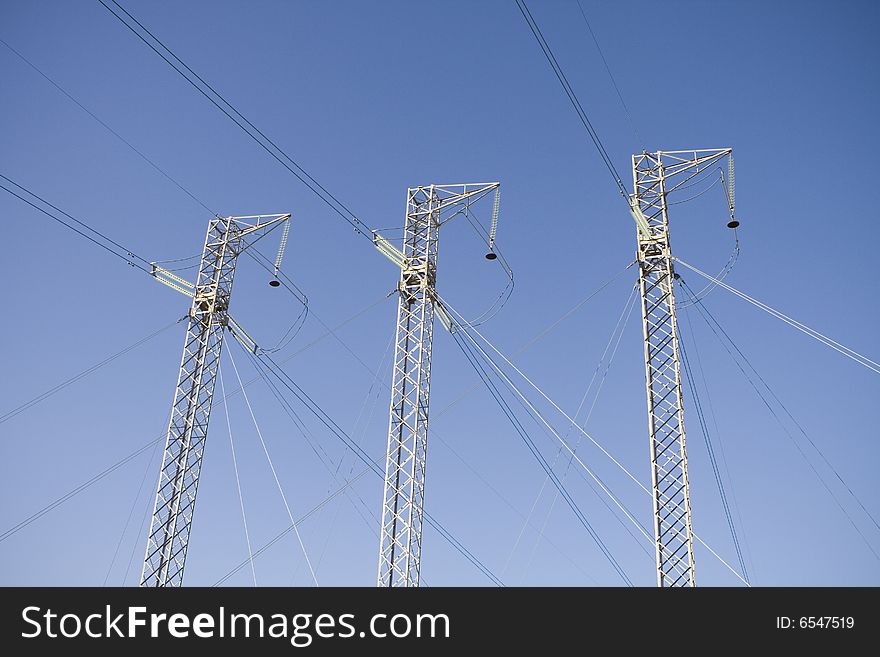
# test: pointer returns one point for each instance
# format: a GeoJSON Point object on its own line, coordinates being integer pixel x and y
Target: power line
{"type": "Point", "coordinates": [58, 388]}
{"type": "Point", "coordinates": [334, 428]}
{"type": "Point", "coordinates": [803, 328]}
{"type": "Point", "coordinates": [707, 438]}
{"type": "Point", "coordinates": [559, 449]}
{"type": "Point", "coordinates": [329, 331]}
{"type": "Point", "coordinates": [146, 514]}
{"type": "Point", "coordinates": [272, 468]}
{"type": "Point", "coordinates": [535, 414]}
{"type": "Point", "coordinates": [320, 505]}
{"type": "Point", "coordinates": [140, 450]}
{"type": "Point", "coordinates": [572, 97]}
{"type": "Point", "coordinates": [570, 420]}
{"type": "Point", "coordinates": [87, 484]}
{"type": "Point", "coordinates": [719, 331]}
{"type": "Point", "coordinates": [109, 129]}
{"type": "Point", "coordinates": [605, 503]}
{"type": "Point", "coordinates": [574, 456]}
{"type": "Point", "coordinates": [525, 347]}
{"type": "Point", "coordinates": [739, 519]}
{"type": "Point", "coordinates": [542, 461]}
{"type": "Point", "coordinates": [294, 290]}
{"type": "Point", "coordinates": [629, 117]}
{"type": "Point", "coordinates": [316, 447]}
{"type": "Point", "coordinates": [509, 505]}
{"type": "Point", "coordinates": [216, 99]}
{"type": "Point", "coordinates": [129, 256]}
{"type": "Point", "coordinates": [501, 300]}
{"type": "Point", "coordinates": [574, 424]}
{"type": "Point", "coordinates": [247, 534]}
{"type": "Point", "coordinates": [131, 509]}
{"type": "Point", "coordinates": [537, 337]}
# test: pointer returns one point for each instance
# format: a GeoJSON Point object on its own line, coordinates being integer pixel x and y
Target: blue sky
{"type": "Point", "coordinates": [372, 98]}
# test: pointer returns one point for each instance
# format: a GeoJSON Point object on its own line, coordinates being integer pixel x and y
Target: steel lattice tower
{"type": "Point", "coordinates": [185, 444]}
{"type": "Point", "coordinates": [401, 534]}
{"type": "Point", "coordinates": [655, 176]}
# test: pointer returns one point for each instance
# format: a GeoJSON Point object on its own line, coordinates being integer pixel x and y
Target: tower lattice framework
{"type": "Point", "coordinates": [178, 484]}
{"type": "Point", "coordinates": [404, 495]}
{"type": "Point", "coordinates": [655, 176]}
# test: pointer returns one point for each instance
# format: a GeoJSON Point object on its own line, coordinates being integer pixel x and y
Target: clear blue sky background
{"type": "Point", "coordinates": [372, 98]}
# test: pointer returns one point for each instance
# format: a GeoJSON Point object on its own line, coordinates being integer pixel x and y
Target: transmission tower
{"type": "Point", "coordinates": [655, 176]}
{"type": "Point", "coordinates": [401, 536]}
{"type": "Point", "coordinates": [187, 431]}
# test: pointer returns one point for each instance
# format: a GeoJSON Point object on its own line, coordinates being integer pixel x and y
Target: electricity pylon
{"type": "Point", "coordinates": [188, 429]}
{"type": "Point", "coordinates": [400, 544]}
{"type": "Point", "coordinates": [655, 176]}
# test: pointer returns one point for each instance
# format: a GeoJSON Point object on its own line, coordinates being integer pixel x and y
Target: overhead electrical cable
{"type": "Point", "coordinates": [622, 323]}
{"type": "Point", "coordinates": [629, 117]}
{"type": "Point", "coordinates": [131, 510]}
{"type": "Point", "coordinates": [315, 509]}
{"type": "Point", "coordinates": [477, 475]}
{"type": "Point", "coordinates": [75, 491]}
{"type": "Point", "coordinates": [573, 423]}
{"type": "Point", "coordinates": [272, 468]}
{"type": "Point", "coordinates": [504, 295]}
{"type": "Point", "coordinates": [334, 428]}
{"type": "Point", "coordinates": [742, 362]}
{"type": "Point", "coordinates": [316, 447]}
{"type": "Point", "coordinates": [271, 147]}
{"type": "Point", "coordinates": [803, 328]}
{"type": "Point", "coordinates": [140, 450]}
{"type": "Point", "coordinates": [538, 416]}
{"type": "Point", "coordinates": [572, 97]}
{"type": "Point", "coordinates": [710, 448]}
{"type": "Point", "coordinates": [539, 336]}
{"type": "Point", "coordinates": [584, 397]}
{"type": "Point", "coordinates": [526, 346]}
{"type": "Point", "coordinates": [328, 331]}
{"type": "Point", "coordinates": [140, 532]}
{"type": "Point", "coordinates": [291, 287]}
{"type": "Point", "coordinates": [93, 235]}
{"type": "Point", "coordinates": [247, 534]}
{"type": "Point", "coordinates": [734, 254]}
{"type": "Point", "coordinates": [131, 146]}
{"type": "Point", "coordinates": [539, 457]}
{"type": "Point", "coordinates": [583, 466]}
{"type": "Point", "coordinates": [707, 188]}
{"type": "Point", "coordinates": [726, 469]}
{"type": "Point", "coordinates": [8, 415]}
